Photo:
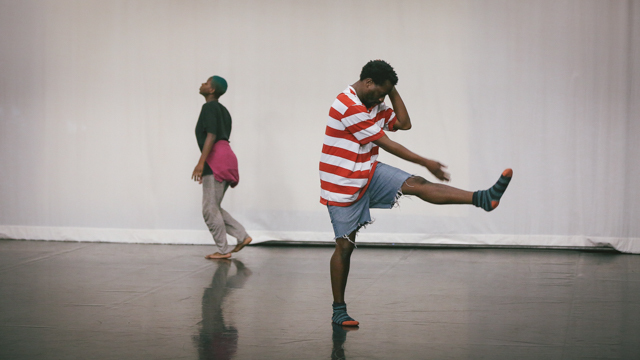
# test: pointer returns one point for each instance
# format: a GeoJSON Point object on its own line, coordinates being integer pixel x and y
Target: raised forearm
{"type": "Point", "coordinates": [400, 151]}
{"type": "Point", "coordinates": [434, 167]}
{"type": "Point", "coordinates": [403, 121]}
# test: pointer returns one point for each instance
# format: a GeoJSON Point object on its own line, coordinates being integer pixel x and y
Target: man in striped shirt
{"type": "Point", "coordinates": [353, 181]}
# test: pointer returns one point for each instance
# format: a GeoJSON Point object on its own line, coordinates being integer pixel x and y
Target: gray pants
{"type": "Point", "coordinates": [218, 220]}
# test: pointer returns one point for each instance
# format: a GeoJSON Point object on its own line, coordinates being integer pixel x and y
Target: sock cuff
{"type": "Point", "coordinates": [339, 306]}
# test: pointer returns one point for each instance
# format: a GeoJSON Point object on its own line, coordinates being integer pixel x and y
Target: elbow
{"type": "Point", "coordinates": [403, 123]}
{"type": "Point", "coordinates": [403, 126]}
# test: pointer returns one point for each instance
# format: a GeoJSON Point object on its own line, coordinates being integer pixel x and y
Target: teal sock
{"type": "Point", "coordinates": [489, 199]}
{"type": "Point", "coordinates": [340, 315]}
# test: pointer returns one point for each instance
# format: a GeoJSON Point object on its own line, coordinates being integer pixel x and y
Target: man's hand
{"type": "Point", "coordinates": [437, 169]}
{"type": "Point", "coordinates": [197, 173]}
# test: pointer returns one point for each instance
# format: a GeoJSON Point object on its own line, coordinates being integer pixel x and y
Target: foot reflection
{"type": "Point", "coordinates": [217, 340]}
{"type": "Point", "coordinates": [339, 338]}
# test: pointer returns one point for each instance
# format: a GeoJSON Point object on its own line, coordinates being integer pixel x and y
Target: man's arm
{"type": "Point", "coordinates": [434, 167]}
{"type": "Point", "coordinates": [403, 122]}
{"type": "Point", "coordinates": [206, 149]}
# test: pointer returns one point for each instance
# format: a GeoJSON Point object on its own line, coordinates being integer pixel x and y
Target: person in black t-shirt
{"type": "Point", "coordinates": [217, 169]}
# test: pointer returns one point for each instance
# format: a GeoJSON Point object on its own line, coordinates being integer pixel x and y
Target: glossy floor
{"type": "Point", "coordinates": [114, 301]}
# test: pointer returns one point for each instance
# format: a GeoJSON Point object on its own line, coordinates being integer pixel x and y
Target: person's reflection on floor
{"type": "Point", "coordinates": [339, 338]}
{"type": "Point", "coordinates": [217, 340]}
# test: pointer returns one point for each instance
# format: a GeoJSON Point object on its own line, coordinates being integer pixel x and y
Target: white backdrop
{"type": "Point", "coordinates": [99, 100]}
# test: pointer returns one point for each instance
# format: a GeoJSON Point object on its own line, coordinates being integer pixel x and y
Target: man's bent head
{"type": "Point", "coordinates": [377, 79]}
{"type": "Point", "coordinates": [379, 71]}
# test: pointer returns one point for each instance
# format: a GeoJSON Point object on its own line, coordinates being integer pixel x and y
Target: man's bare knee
{"type": "Point", "coordinates": [345, 245]}
{"type": "Point", "coordinates": [417, 181]}
{"type": "Point", "coordinates": [413, 185]}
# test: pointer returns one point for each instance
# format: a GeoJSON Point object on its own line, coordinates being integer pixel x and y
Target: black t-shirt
{"type": "Point", "coordinates": [214, 118]}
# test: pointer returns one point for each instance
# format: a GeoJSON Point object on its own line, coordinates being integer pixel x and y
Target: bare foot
{"type": "Point", "coordinates": [244, 243]}
{"type": "Point", "coordinates": [218, 256]}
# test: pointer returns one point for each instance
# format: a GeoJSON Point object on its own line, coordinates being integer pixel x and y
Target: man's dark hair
{"type": "Point", "coordinates": [219, 85]}
{"type": "Point", "coordinates": [379, 71]}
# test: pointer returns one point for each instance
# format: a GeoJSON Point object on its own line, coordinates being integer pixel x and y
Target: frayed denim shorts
{"type": "Point", "coordinates": [383, 192]}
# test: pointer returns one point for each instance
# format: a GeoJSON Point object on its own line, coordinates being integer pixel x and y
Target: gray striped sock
{"type": "Point", "coordinates": [340, 314]}
{"type": "Point", "coordinates": [489, 199]}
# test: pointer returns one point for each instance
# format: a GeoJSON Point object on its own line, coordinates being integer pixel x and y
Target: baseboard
{"type": "Point", "coordinates": [202, 237]}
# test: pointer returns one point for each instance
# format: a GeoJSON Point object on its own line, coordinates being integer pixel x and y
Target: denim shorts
{"type": "Point", "coordinates": [383, 192]}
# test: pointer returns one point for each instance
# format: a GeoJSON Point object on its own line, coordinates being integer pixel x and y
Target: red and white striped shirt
{"type": "Point", "coordinates": [348, 154]}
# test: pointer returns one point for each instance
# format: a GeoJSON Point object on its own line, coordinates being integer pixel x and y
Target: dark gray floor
{"type": "Point", "coordinates": [113, 301]}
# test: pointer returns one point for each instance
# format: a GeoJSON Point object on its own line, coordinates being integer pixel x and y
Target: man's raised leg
{"type": "Point", "coordinates": [340, 263]}
{"type": "Point", "coordinates": [435, 193]}
{"type": "Point", "coordinates": [444, 194]}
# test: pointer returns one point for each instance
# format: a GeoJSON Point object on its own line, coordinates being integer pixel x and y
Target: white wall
{"type": "Point", "coordinates": [99, 100]}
